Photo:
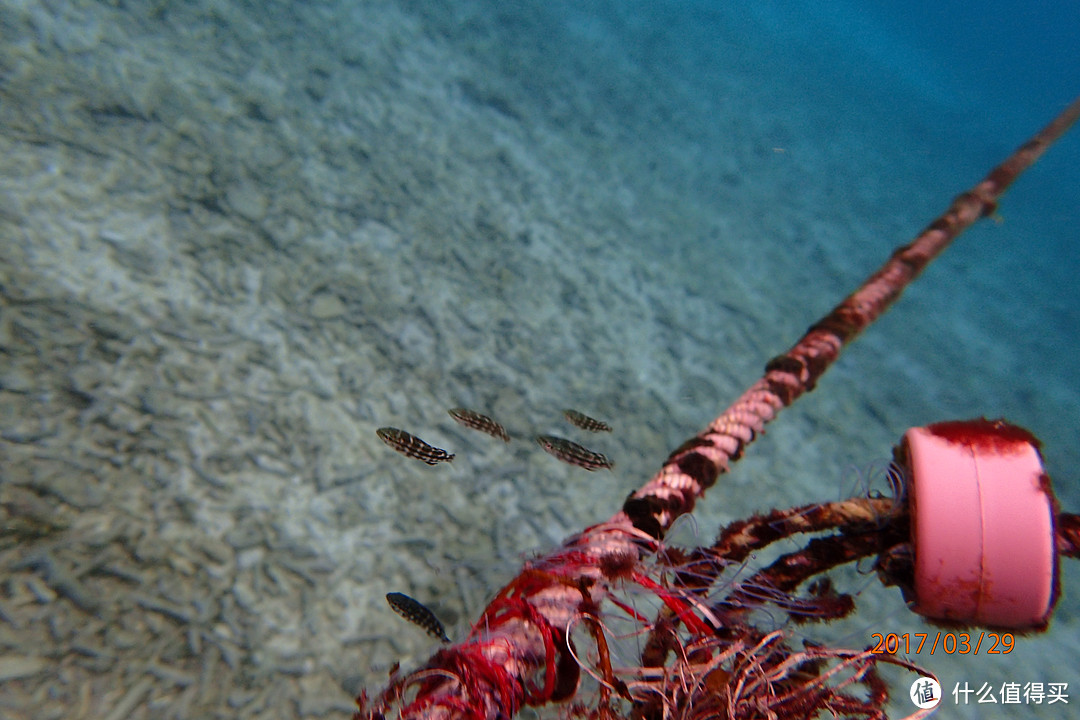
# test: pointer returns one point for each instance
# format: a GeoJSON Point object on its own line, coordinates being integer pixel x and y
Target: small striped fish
{"type": "Point", "coordinates": [571, 452]}
{"type": "Point", "coordinates": [585, 422]}
{"type": "Point", "coordinates": [415, 612]}
{"type": "Point", "coordinates": [476, 421]}
{"type": "Point", "coordinates": [412, 446]}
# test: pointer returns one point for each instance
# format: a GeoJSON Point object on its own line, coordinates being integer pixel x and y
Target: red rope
{"type": "Point", "coordinates": [696, 465]}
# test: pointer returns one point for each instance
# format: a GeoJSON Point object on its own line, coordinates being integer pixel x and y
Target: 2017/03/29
{"type": "Point", "coordinates": [950, 643]}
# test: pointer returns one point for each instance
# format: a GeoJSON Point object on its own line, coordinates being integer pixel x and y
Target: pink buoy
{"type": "Point", "coordinates": [982, 524]}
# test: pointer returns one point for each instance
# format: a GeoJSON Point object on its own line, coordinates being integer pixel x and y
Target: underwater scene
{"type": "Point", "coordinates": [320, 320]}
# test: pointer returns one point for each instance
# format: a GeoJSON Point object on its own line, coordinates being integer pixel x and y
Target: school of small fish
{"type": "Point", "coordinates": [568, 451]}
{"type": "Point", "coordinates": [410, 445]}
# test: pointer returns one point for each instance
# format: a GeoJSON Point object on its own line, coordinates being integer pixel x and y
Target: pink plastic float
{"type": "Point", "coordinates": [982, 524]}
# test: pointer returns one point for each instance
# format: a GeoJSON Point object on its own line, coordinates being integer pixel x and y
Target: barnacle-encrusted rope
{"type": "Point", "coordinates": [518, 653]}
{"type": "Point", "coordinates": [694, 467]}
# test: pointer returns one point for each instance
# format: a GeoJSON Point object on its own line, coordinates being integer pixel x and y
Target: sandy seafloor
{"type": "Point", "coordinates": [236, 238]}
